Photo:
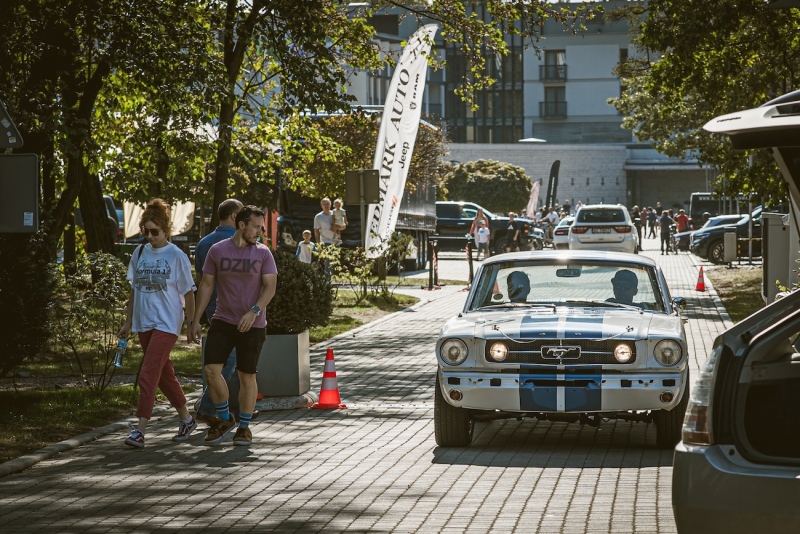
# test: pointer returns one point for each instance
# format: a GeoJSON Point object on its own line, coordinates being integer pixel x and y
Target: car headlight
{"type": "Point", "coordinates": [498, 352]}
{"type": "Point", "coordinates": [698, 237]}
{"type": "Point", "coordinates": [668, 352]}
{"type": "Point", "coordinates": [623, 353]}
{"type": "Point", "coordinates": [453, 351]}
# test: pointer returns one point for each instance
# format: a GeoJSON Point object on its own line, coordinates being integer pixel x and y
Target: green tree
{"type": "Point", "coordinates": [695, 60]}
{"type": "Point", "coordinates": [496, 186]}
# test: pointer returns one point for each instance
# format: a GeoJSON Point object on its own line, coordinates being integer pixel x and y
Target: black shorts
{"type": "Point", "coordinates": [223, 337]}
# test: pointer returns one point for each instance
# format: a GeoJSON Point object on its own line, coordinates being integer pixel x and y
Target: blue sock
{"type": "Point", "coordinates": [222, 411]}
{"type": "Point", "coordinates": [244, 419]}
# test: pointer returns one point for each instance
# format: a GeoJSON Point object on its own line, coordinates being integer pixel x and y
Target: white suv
{"type": "Point", "coordinates": [603, 227]}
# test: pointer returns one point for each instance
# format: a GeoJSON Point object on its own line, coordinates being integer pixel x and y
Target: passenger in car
{"type": "Point", "coordinates": [626, 286]}
{"type": "Point", "coordinates": [518, 286]}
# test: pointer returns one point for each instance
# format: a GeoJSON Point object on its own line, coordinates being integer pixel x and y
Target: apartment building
{"type": "Point", "coordinates": [558, 95]}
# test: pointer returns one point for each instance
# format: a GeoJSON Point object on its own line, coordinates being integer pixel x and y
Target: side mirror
{"type": "Point", "coordinates": [679, 303]}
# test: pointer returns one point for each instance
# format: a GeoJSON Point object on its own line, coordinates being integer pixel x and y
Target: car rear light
{"type": "Point", "coordinates": [697, 424]}
{"type": "Point", "coordinates": [622, 229]}
{"type": "Point", "coordinates": [579, 229]}
{"type": "Point", "coordinates": [562, 231]}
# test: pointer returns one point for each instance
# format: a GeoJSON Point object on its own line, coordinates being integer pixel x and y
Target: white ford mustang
{"type": "Point", "coordinates": [573, 336]}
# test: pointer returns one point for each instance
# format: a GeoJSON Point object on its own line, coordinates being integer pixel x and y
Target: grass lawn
{"type": "Point", "coordinates": [739, 288]}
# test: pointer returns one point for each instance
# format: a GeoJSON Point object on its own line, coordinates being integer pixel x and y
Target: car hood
{"type": "Point", "coordinates": [567, 323]}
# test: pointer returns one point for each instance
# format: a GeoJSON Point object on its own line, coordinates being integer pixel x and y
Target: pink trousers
{"type": "Point", "coordinates": [157, 372]}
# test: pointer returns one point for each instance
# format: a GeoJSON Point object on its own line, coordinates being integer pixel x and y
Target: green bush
{"type": "Point", "coordinates": [27, 281]}
{"type": "Point", "coordinates": [303, 300]}
{"type": "Point", "coordinates": [90, 309]}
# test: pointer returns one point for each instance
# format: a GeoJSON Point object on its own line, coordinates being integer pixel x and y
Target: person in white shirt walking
{"type": "Point", "coordinates": [482, 237]}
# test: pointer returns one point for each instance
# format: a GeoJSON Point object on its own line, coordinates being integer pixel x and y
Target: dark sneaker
{"type": "Point", "coordinates": [218, 429]}
{"type": "Point", "coordinates": [243, 436]}
{"type": "Point", "coordinates": [207, 419]}
{"type": "Point", "coordinates": [136, 439]}
{"type": "Point", "coordinates": [185, 430]}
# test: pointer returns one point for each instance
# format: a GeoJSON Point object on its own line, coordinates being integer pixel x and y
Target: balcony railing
{"type": "Point", "coordinates": [553, 73]}
{"type": "Point", "coordinates": [553, 110]}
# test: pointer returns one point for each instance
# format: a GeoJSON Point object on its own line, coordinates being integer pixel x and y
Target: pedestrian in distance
{"type": "Point", "coordinates": [339, 220]}
{"type": "Point", "coordinates": [482, 237]}
{"type": "Point", "coordinates": [473, 229]}
{"type": "Point", "coordinates": [227, 210]}
{"type": "Point", "coordinates": [161, 286]}
{"type": "Point", "coordinates": [637, 222]}
{"type": "Point", "coordinates": [324, 233]}
{"type": "Point", "coordinates": [512, 233]}
{"type": "Point", "coordinates": [245, 275]}
{"type": "Point", "coordinates": [682, 220]}
{"type": "Point", "coordinates": [306, 248]}
{"type": "Point", "coordinates": [651, 222]}
{"type": "Point", "coordinates": [665, 222]}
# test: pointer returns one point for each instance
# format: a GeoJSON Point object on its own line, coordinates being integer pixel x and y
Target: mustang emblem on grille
{"type": "Point", "coordinates": [561, 352]}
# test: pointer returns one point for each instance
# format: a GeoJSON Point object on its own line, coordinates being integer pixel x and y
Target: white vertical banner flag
{"type": "Point", "coordinates": [533, 201]}
{"type": "Point", "coordinates": [398, 131]}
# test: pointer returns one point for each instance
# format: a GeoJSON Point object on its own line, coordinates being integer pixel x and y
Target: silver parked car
{"type": "Point", "coordinates": [603, 227]}
{"type": "Point", "coordinates": [572, 336]}
{"type": "Point", "coordinates": [737, 468]}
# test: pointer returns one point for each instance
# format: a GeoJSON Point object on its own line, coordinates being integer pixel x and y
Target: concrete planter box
{"type": "Point", "coordinates": [284, 367]}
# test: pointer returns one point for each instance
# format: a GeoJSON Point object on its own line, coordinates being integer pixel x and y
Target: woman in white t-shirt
{"type": "Point", "coordinates": [161, 280]}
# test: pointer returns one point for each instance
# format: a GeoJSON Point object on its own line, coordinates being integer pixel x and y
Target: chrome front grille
{"type": "Point", "coordinates": [595, 352]}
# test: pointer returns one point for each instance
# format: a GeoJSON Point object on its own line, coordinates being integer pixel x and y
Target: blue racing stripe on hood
{"type": "Point", "coordinates": [533, 327]}
{"type": "Point", "coordinates": [588, 327]}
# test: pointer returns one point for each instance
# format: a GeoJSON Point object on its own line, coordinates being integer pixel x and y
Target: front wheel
{"type": "Point", "coordinates": [537, 244]}
{"type": "Point", "coordinates": [452, 426]}
{"type": "Point", "coordinates": [716, 252]}
{"type": "Point", "coordinates": [499, 244]}
{"type": "Point", "coordinates": [669, 423]}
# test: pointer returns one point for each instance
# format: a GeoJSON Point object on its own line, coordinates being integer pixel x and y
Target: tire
{"type": "Point", "coordinates": [537, 245]}
{"type": "Point", "coordinates": [500, 244]}
{"type": "Point", "coordinates": [716, 252]}
{"type": "Point", "coordinates": [452, 426]}
{"type": "Point", "coordinates": [669, 423]}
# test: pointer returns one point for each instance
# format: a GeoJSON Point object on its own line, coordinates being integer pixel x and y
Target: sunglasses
{"type": "Point", "coordinates": [152, 231]}
{"type": "Point", "coordinates": [625, 286]}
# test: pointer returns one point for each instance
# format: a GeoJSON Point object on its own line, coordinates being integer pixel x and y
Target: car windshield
{"type": "Point", "coordinates": [577, 284]}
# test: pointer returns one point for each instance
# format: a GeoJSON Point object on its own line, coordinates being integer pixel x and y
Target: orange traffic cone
{"type": "Point", "coordinates": [329, 392]}
{"type": "Point", "coordinates": [701, 282]}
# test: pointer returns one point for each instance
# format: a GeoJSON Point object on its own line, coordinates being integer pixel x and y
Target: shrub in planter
{"type": "Point", "coordinates": [302, 300]}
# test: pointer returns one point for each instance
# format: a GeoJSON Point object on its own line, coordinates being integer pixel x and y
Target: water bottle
{"type": "Point", "coordinates": [122, 346]}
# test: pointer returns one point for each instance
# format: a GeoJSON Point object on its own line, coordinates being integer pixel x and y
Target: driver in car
{"type": "Point", "coordinates": [519, 285]}
{"type": "Point", "coordinates": [626, 286]}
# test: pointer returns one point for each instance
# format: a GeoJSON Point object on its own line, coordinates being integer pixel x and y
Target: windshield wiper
{"type": "Point", "coordinates": [604, 303]}
{"type": "Point", "coordinates": [518, 305]}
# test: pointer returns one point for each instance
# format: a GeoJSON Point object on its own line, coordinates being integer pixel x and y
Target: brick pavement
{"type": "Point", "coordinates": [373, 467]}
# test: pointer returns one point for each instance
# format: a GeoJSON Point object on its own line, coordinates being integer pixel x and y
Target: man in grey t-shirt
{"type": "Point", "coordinates": [323, 231]}
{"type": "Point", "coordinates": [323, 223]}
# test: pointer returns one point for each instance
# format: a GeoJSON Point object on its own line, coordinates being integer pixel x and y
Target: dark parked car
{"type": "Point", "coordinates": [708, 243]}
{"type": "Point", "coordinates": [454, 219]}
{"type": "Point", "coordinates": [682, 240]}
{"type": "Point", "coordinates": [737, 468]}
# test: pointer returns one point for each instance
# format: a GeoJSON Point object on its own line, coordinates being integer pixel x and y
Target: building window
{"type": "Point", "coordinates": [587, 180]}
{"type": "Point", "coordinates": [572, 181]}
{"type": "Point", "coordinates": [602, 181]}
{"type": "Point", "coordinates": [555, 66]}
{"type": "Point", "coordinates": [554, 105]}
{"type": "Point", "coordinates": [499, 118]}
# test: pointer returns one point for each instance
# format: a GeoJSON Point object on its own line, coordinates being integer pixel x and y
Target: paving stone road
{"type": "Point", "coordinates": [373, 467]}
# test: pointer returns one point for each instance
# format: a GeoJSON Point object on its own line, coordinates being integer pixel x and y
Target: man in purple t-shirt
{"type": "Point", "coordinates": [246, 277]}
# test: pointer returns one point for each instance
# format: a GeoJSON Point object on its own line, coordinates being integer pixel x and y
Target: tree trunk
{"type": "Point", "coordinates": [222, 165]}
{"type": "Point", "coordinates": [99, 236]}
